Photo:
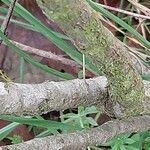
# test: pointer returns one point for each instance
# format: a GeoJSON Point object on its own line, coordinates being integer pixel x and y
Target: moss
{"type": "Point", "coordinates": [84, 26]}
{"type": "Point", "coordinates": [121, 80]}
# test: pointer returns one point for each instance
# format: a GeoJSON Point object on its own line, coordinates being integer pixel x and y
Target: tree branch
{"type": "Point", "coordinates": [45, 54]}
{"type": "Point", "coordinates": [82, 139]}
{"type": "Point", "coordinates": [68, 62]}
{"type": "Point", "coordinates": [80, 22]}
{"type": "Point", "coordinates": [48, 96]}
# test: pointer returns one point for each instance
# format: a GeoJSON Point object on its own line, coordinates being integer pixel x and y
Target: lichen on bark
{"type": "Point", "coordinates": [79, 21]}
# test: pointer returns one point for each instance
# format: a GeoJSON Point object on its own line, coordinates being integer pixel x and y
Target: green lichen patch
{"type": "Point", "coordinates": [84, 26]}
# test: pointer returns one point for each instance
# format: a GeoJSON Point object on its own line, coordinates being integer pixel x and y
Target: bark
{"type": "Point", "coordinates": [82, 139]}
{"type": "Point", "coordinates": [49, 96]}
{"type": "Point", "coordinates": [79, 21]}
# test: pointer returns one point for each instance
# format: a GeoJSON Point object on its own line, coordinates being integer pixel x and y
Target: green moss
{"type": "Point", "coordinates": [121, 80]}
{"type": "Point", "coordinates": [84, 26]}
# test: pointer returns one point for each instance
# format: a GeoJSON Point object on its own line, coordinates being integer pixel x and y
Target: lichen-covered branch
{"type": "Point", "coordinates": [82, 139]}
{"type": "Point", "coordinates": [31, 99]}
{"type": "Point", "coordinates": [79, 21]}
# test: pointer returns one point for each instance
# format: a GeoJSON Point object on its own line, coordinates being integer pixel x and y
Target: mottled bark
{"type": "Point", "coordinates": [80, 140]}
{"type": "Point", "coordinates": [79, 21]}
{"type": "Point", "coordinates": [41, 98]}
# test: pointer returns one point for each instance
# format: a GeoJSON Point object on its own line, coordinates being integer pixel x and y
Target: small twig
{"type": "Point", "coordinates": [141, 23]}
{"type": "Point", "coordinates": [125, 12]}
{"type": "Point", "coordinates": [5, 23]}
{"type": "Point", "coordinates": [142, 8]}
{"type": "Point", "coordinates": [84, 67]}
{"type": "Point", "coordinates": [105, 2]}
{"type": "Point", "coordinates": [45, 54]}
{"type": "Point", "coordinates": [8, 16]}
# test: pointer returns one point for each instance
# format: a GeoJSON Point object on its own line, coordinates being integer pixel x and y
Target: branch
{"type": "Point", "coordinates": [83, 25]}
{"type": "Point", "coordinates": [68, 62]}
{"type": "Point", "coordinates": [41, 98]}
{"type": "Point", "coordinates": [142, 8]}
{"type": "Point", "coordinates": [9, 14]}
{"type": "Point", "coordinates": [48, 96]}
{"type": "Point", "coordinates": [45, 54]}
{"type": "Point", "coordinates": [82, 139]}
{"type": "Point", "coordinates": [125, 12]}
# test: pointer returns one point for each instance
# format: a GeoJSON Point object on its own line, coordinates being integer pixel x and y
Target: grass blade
{"type": "Point", "coordinates": [116, 19]}
{"type": "Point", "coordinates": [51, 125]}
{"type": "Point", "coordinates": [6, 130]}
{"type": "Point", "coordinates": [34, 62]}
{"type": "Point", "coordinates": [53, 37]}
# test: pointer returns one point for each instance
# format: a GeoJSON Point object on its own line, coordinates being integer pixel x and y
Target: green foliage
{"type": "Point", "coordinates": [47, 133]}
{"type": "Point", "coordinates": [137, 141]}
{"type": "Point", "coordinates": [15, 139]}
{"type": "Point", "coordinates": [123, 24]}
{"type": "Point", "coordinates": [34, 62]}
{"type": "Point", "coordinates": [81, 118]}
{"type": "Point", "coordinates": [69, 122]}
{"type": "Point", "coordinates": [50, 125]}
{"type": "Point", "coordinates": [7, 129]}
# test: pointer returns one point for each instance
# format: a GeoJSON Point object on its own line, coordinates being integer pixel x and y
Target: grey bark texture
{"type": "Point", "coordinates": [82, 139]}
{"type": "Point", "coordinates": [41, 98]}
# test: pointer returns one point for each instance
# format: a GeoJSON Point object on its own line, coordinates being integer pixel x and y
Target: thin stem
{"type": "Point", "coordinates": [125, 12]}
{"type": "Point", "coordinates": [5, 23]}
